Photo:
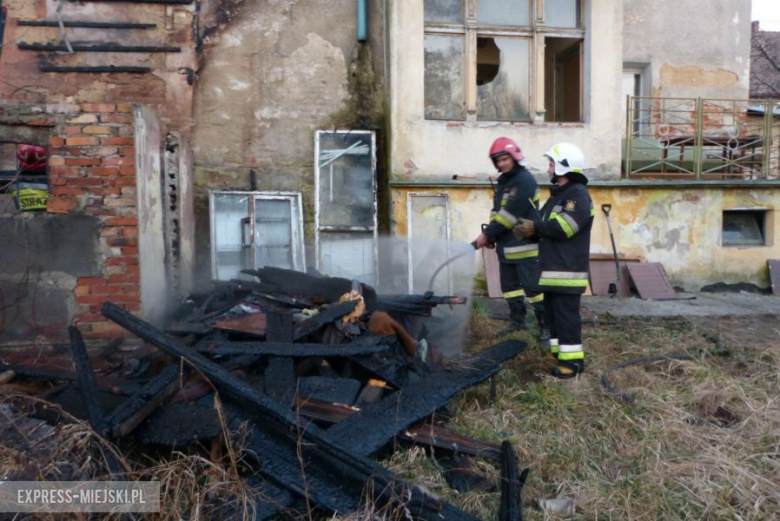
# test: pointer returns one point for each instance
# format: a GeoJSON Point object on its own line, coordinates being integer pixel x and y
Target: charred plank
{"type": "Point", "coordinates": [368, 346]}
{"type": "Point", "coordinates": [276, 417]}
{"type": "Point", "coordinates": [136, 408]}
{"type": "Point", "coordinates": [511, 508]}
{"type": "Point", "coordinates": [95, 69]}
{"type": "Point", "coordinates": [323, 318]}
{"type": "Point", "coordinates": [86, 380]}
{"type": "Point", "coordinates": [378, 423]}
{"type": "Point", "coordinates": [279, 379]}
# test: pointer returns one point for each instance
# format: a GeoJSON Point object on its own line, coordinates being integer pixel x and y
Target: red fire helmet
{"type": "Point", "coordinates": [504, 145]}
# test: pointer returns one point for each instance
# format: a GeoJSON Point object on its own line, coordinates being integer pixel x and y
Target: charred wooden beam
{"type": "Point", "coordinates": [86, 380]}
{"type": "Point", "coordinates": [420, 433]}
{"type": "Point", "coordinates": [97, 69]}
{"type": "Point", "coordinates": [378, 423]}
{"type": "Point", "coordinates": [511, 508]}
{"type": "Point", "coordinates": [318, 447]}
{"type": "Point", "coordinates": [34, 372]}
{"type": "Point", "coordinates": [100, 47]}
{"type": "Point", "coordinates": [136, 408]}
{"type": "Point", "coordinates": [368, 346]}
{"type": "Point", "coordinates": [85, 24]}
{"type": "Point", "coordinates": [279, 379]}
{"type": "Point", "coordinates": [323, 318]}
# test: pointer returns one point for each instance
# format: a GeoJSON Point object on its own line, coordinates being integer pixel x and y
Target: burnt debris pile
{"type": "Point", "coordinates": [318, 374]}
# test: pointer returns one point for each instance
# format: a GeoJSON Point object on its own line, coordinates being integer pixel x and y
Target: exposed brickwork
{"type": "Point", "coordinates": [92, 171]}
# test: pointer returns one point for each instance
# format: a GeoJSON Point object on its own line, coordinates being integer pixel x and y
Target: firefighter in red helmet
{"type": "Point", "coordinates": [516, 197]}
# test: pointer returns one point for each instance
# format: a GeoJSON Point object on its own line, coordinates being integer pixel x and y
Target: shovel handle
{"type": "Point", "coordinates": [606, 208]}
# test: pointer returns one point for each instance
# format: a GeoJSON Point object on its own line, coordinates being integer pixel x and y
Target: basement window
{"type": "Point", "coordinates": [345, 205]}
{"type": "Point", "coordinates": [252, 230]}
{"type": "Point", "coordinates": [744, 228]}
{"type": "Point", "coordinates": [428, 217]}
{"type": "Point", "coordinates": [24, 183]}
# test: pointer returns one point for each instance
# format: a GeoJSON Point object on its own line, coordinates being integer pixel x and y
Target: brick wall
{"type": "Point", "coordinates": [92, 171]}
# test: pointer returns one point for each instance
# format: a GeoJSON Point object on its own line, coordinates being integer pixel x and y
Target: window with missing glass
{"type": "Point", "coordinates": [24, 184]}
{"type": "Point", "coordinates": [744, 228]}
{"type": "Point", "coordinates": [504, 60]}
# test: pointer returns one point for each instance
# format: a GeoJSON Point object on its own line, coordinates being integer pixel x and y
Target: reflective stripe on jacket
{"type": "Point", "coordinates": [564, 245]}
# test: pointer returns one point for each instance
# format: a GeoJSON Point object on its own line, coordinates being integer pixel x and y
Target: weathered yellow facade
{"type": "Point", "coordinates": [679, 226]}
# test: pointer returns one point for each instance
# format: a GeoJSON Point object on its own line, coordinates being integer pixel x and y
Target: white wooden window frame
{"type": "Point", "coordinates": [410, 235]}
{"type": "Point", "coordinates": [536, 33]}
{"type": "Point", "coordinates": [317, 205]}
{"type": "Point", "coordinates": [296, 224]}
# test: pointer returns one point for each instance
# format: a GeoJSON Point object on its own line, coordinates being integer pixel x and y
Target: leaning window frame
{"type": "Point", "coordinates": [536, 32]}
{"type": "Point", "coordinates": [374, 228]}
{"type": "Point", "coordinates": [296, 224]}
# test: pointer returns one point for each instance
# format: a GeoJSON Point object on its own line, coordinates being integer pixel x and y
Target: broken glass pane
{"type": "Point", "coordinates": [273, 233]}
{"type": "Point", "coordinates": [449, 11]}
{"type": "Point", "coordinates": [231, 212]}
{"type": "Point", "coordinates": [503, 69]}
{"type": "Point", "coordinates": [503, 12]}
{"type": "Point", "coordinates": [562, 13]}
{"type": "Point", "coordinates": [346, 177]}
{"type": "Point", "coordinates": [443, 77]}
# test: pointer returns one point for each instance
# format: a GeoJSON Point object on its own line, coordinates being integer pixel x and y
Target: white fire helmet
{"type": "Point", "coordinates": [568, 160]}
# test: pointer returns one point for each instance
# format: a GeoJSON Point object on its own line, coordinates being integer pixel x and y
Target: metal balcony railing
{"type": "Point", "coordinates": [702, 139]}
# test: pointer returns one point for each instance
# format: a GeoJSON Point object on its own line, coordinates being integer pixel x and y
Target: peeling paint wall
{"type": "Point", "coordinates": [274, 72]}
{"type": "Point", "coordinates": [679, 227]}
{"type": "Point", "coordinates": [695, 48]}
{"type": "Point", "coordinates": [429, 148]}
{"type": "Point", "coordinates": [682, 227]}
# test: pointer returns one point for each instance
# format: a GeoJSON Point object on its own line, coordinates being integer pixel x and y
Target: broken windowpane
{"type": "Point", "coordinates": [346, 204]}
{"type": "Point", "coordinates": [503, 70]}
{"type": "Point", "coordinates": [448, 11]}
{"type": "Point", "coordinates": [443, 77]}
{"type": "Point", "coordinates": [230, 241]}
{"type": "Point", "coordinates": [562, 13]}
{"type": "Point", "coordinates": [503, 12]}
{"type": "Point", "coordinates": [563, 79]}
{"type": "Point", "coordinates": [273, 234]}
{"type": "Point", "coordinates": [744, 228]}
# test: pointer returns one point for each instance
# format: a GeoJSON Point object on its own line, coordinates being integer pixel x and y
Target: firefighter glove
{"type": "Point", "coordinates": [525, 228]}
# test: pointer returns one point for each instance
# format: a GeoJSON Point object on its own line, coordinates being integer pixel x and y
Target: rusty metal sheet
{"type": "Point", "coordinates": [774, 275]}
{"type": "Point", "coordinates": [651, 280]}
{"type": "Point", "coordinates": [490, 258]}
{"type": "Point", "coordinates": [603, 273]}
{"type": "Point", "coordinates": [252, 324]}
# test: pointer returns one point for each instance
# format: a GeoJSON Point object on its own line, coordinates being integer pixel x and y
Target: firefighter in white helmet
{"type": "Point", "coordinates": [563, 230]}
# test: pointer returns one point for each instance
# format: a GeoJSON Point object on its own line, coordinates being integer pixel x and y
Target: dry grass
{"type": "Point", "coordinates": [702, 440]}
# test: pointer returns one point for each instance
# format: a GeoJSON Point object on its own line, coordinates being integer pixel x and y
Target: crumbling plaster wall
{"type": "Point", "coordinates": [274, 72]}
{"type": "Point", "coordinates": [681, 228]}
{"type": "Point", "coordinates": [695, 48]}
{"type": "Point", "coordinates": [422, 148]}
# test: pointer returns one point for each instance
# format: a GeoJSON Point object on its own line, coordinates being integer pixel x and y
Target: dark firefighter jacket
{"type": "Point", "coordinates": [564, 239]}
{"type": "Point", "coordinates": [516, 196]}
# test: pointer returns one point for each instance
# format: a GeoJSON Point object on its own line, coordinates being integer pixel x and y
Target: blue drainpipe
{"type": "Point", "coordinates": [362, 21]}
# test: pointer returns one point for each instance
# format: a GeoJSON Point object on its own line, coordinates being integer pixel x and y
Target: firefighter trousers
{"type": "Point", "coordinates": [516, 283]}
{"type": "Point", "coordinates": [562, 314]}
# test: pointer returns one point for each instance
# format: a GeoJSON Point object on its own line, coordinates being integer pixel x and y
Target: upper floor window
{"type": "Point", "coordinates": [504, 60]}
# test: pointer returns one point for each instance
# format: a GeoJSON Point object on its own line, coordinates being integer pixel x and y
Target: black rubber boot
{"type": "Point", "coordinates": [568, 368]}
{"type": "Point", "coordinates": [517, 314]}
{"type": "Point", "coordinates": [544, 331]}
